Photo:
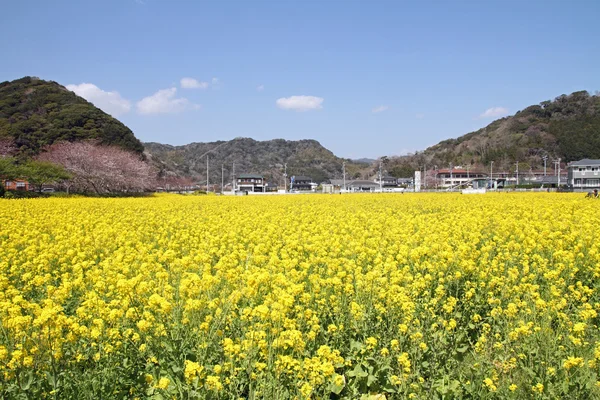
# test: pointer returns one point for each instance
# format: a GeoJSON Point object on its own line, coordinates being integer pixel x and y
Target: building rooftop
{"type": "Point", "coordinates": [460, 171]}
{"type": "Point", "coordinates": [362, 183]}
{"type": "Point", "coordinates": [585, 162]}
{"type": "Point", "coordinates": [250, 176]}
{"type": "Point", "coordinates": [302, 178]}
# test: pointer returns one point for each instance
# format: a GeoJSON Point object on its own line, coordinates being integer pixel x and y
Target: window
{"type": "Point", "coordinates": [20, 184]}
{"type": "Point", "coordinates": [593, 182]}
{"type": "Point", "coordinates": [8, 183]}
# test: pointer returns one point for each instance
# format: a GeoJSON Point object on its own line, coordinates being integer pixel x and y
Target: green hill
{"type": "Point", "coordinates": [567, 127]}
{"type": "Point", "coordinates": [303, 157]}
{"type": "Point", "coordinates": [36, 113]}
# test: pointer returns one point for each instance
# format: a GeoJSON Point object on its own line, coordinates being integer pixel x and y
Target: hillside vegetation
{"type": "Point", "coordinates": [35, 113]}
{"type": "Point", "coordinates": [567, 127]}
{"type": "Point", "coordinates": [303, 157]}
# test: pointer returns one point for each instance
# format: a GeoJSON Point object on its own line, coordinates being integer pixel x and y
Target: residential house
{"type": "Point", "coordinates": [271, 187]}
{"type": "Point", "coordinates": [405, 182]}
{"type": "Point", "coordinates": [355, 185]}
{"type": "Point", "coordinates": [250, 183]}
{"type": "Point", "coordinates": [457, 177]}
{"type": "Point", "coordinates": [388, 181]}
{"type": "Point", "coordinates": [362, 186]}
{"type": "Point", "coordinates": [17, 184]}
{"type": "Point", "coordinates": [301, 183]}
{"type": "Point", "coordinates": [584, 174]}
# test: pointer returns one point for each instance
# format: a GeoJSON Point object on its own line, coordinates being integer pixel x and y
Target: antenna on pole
{"type": "Point", "coordinates": [207, 190]}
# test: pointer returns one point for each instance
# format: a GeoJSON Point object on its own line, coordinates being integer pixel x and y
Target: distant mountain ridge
{"type": "Point", "coordinates": [567, 128]}
{"type": "Point", "coordinates": [35, 113]}
{"type": "Point", "coordinates": [303, 157]}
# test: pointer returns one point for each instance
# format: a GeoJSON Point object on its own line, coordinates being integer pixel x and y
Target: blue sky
{"type": "Point", "coordinates": [365, 78]}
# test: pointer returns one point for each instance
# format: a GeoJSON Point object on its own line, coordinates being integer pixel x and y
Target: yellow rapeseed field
{"type": "Point", "coordinates": [416, 296]}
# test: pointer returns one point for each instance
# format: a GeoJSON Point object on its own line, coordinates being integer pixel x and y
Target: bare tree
{"type": "Point", "coordinates": [176, 183]}
{"type": "Point", "coordinates": [102, 169]}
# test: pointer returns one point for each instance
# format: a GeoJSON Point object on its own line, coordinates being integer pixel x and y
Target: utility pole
{"type": "Point", "coordinates": [435, 168]}
{"type": "Point", "coordinates": [425, 176]}
{"type": "Point", "coordinates": [491, 175]}
{"type": "Point", "coordinates": [467, 172]}
{"type": "Point", "coordinates": [207, 190]}
{"type": "Point", "coordinates": [451, 188]}
{"type": "Point", "coordinates": [545, 158]}
{"type": "Point", "coordinates": [557, 186]}
{"type": "Point", "coordinates": [285, 178]}
{"type": "Point", "coordinates": [222, 177]}
{"type": "Point", "coordinates": [233, 179]}
{"type": "Point", "coordinates": [517, 172]}
{"type": "Point", "coordinates": [344, 173]}
{"type": "Point", "coordinates": [380, 179]}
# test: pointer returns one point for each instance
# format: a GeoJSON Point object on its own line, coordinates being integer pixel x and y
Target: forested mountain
{"type": "Point", "coordinates": [567, 127]}
{"type": "Point", "coordinates": [35, 113]}
{"type": "Point", "coordinates": [303, 157]}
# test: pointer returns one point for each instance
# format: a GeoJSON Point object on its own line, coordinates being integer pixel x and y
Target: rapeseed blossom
{"type": "Point", "coordinates": [298, 297]}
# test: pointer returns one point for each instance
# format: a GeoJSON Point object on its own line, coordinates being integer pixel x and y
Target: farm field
{"type": "Point", "coordinates": [416, 296]}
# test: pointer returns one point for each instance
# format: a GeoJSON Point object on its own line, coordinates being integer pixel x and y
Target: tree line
{"type": "Point", "coordinates": [79, 167]}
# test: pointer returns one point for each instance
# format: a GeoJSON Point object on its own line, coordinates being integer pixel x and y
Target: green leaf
{"type": "Point", "coordinates": [357, 372]}
{"type": "Point", "coordinates": [371, 379]}
{"type": "Point", "coordinates": [462, 349]}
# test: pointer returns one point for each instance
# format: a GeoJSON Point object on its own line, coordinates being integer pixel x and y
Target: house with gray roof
{"type": "Point", "coordinates": [584, 174]}
{"type": "Point", "coordinates": [299, 182]}
{"type": "Point", "coordinates": [250, 183]}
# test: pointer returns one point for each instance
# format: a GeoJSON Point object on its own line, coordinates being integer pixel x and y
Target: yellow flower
{"type": "Point", "coordinates": [163, 383]}
{"type": "Point", "coordinates": [192, 370]}
{"type": "Point", "coordinates": [489, 383]}
{"type": "Point", "coordinates": [571, 362]}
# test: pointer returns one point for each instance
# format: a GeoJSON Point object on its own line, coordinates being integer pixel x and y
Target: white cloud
{"type": "Point", "coordinates": [380, 109]}
{"type": "Point", "coordinates": [494, 112]}
{"type": "Point", "coordinates": [109, 102]}
{"type": "Point", "coordinates": [300, 103]}
{"type": "Point", "coordinates": [164, 101]}
{"type": "Point", "coordinates": [260, 88]}
{"type": "Point", "coordinates": [191, 83]}
{"type": "Point", "coordinates": [215, 81]}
